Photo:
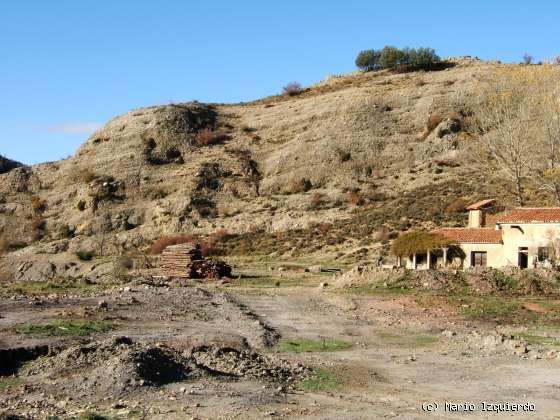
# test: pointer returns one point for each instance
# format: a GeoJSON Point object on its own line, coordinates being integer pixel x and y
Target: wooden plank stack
{"type": "Point", "coordinates": [178, 260]}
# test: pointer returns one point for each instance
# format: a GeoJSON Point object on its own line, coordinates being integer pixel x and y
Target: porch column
{"type": "Point", "coordinates": [445, 256]}
{"type": "Point", "coordinates": [428, 258]}
{"type": "Point", "coordinates": [414, 261]}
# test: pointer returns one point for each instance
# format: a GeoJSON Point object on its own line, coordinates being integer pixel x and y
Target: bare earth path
{"type": "Point", "coordinates": [402, 356]}
{"type": "Point", "coordinates": [390, 372]}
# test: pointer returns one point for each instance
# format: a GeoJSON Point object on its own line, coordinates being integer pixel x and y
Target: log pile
{"type": "Point", "coordinates": [186, 260]}
{"type": "Point", "coordinates": [177, 260]}
{"type": "Point", "coordinates": [211, 269]}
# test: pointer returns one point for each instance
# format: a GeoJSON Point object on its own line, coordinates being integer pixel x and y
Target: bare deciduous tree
{"type": "Point", "coordinates": [546, 100]}
{"type": "Point", "coordinates": [503, 121]}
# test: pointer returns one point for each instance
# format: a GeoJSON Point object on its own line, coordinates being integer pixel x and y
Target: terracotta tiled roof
{"type": "Point", "coordinates": [480, 204]}
{"type": "Point", "coordinates": [534, 214]}
{"type": "Point", "coordinates": [472, 235]}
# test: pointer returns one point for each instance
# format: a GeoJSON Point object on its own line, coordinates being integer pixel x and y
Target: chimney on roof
{"type": "Point", "coordinates": [477, 217]}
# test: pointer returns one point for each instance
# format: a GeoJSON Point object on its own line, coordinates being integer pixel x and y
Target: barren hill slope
{"type": "Point", "coordinates": [357, 151]}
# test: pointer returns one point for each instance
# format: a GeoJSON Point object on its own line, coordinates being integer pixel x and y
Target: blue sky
{"type": "Point", "coordinates": [69, 66]}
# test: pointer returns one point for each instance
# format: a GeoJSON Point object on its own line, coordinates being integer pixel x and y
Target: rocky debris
{"type": "Point", "coordinates": [247, 364]}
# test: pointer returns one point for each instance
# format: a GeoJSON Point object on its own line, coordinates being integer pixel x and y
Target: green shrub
{"type": "Point", "coordinates": [394, 58]}
{"type": "Point", "coordinates": [85, 255]}
{"type": "Point", "coordinates": [368, 60]}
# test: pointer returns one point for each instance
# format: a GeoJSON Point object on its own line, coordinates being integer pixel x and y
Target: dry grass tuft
{"type": "Point", "coordinates": [208, 137]}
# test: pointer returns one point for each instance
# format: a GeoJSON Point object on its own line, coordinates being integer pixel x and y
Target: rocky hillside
{"type": "Point", "coordinates": [336, 170]}
{"type": "Point", "coordinates": [7, 164]}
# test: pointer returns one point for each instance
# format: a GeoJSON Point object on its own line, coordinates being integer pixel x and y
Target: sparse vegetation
{"type": "Point", "coordinates": [86, 175]}
{"type": "Point", "coordinates": [56, 285]}
{"type": "Point", "coordinates": [209, 137]}
{"type": "Point", "coordinates": [38, 228]}
{"type": "Point", "coordinates": [84, 255]}
{"type": "Point", "coordinates": [298, 186]}
{"type": "Point", "coordinates": [321, 380]}
{"type": "Point", "coordinates": [356, 198]}
{"type": "Point", "coordinates": [6, 384]}
{"type": "Point", "coordinates": [63, 328]}
{"type": "Point", "coordinates": [292, 89]}
{"type": "Point", "coordinates": [38, 205]}
{"type": "Point", "coordinates": [307, 345]}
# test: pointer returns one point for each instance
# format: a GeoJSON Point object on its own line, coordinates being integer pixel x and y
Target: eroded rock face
{"type": "Point", "coordinates": [35, 271]}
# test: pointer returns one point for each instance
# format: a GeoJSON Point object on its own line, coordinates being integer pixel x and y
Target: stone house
{"type": "Point", "coordinates": [523, 237]}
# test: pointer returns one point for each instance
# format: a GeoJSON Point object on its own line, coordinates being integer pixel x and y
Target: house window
{"type": "Point", "coordinates": [543, 253]}
{"type": "Point", "coordinates": [478, 259]}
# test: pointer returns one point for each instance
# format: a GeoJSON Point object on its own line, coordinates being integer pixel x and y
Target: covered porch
{"type": "Point", "coordinates": [431, 259]}
{"type": "Point", "coordinates": [419, 250]}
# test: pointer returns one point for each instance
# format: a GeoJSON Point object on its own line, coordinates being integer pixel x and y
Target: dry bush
{"type": "Point", "coordinates": [355, 198]}
{"type": "Point", "coordinates": [125, 263]}
{"type": "Point", "coordinates": [433, 121]}
{"type": "Point", "coordinates": [208, 137]}
{"type": "Point", "coordinates": [167, 240]}
{"type": "Point", "coordinates": [280, 236]}
{"type": "Point", "coordinates": [38, 228]}
{"type": "Point", "coordinates": [226, 211]}
{"type": "Point", "coordinates": [457, 206]}
{"type": "Point", "coordinates": [210, 248]}
{"type": "Point", "coordinates": [317, 200]}
{"type": "Point", "coordinates": [253, 229]}
{"type": "Point", "coordinates": [292, 89]}
{"type": "Point", "coordinates": [3, 246]}
{"type": "Point", "coordinates": [219, 236]}
{"type": "Point", "coordinates": [297, 186]}
{"type": "Point", "coordinates": [86, 175]}
{"type": "Point", "coordinates": [324, 227]}
{"type": "Point", "coordinates": [382, 234]}
{"type": "Point", "coordinates": [38, 205]}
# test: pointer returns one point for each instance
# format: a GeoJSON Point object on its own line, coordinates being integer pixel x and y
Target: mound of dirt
{"type": "Point", "coordinates": [120, 365]}
{"type": "Point", "coordinates": [112, 366]}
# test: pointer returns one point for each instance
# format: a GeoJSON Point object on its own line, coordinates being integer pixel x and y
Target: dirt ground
{"type": "Point", "coordinates": [214, 351]}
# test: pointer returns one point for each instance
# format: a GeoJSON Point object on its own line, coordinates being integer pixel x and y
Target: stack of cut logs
{"type": "Point", "coordinates": [211, 269]}
{"type": "Point", "coordinates": [186, 260]}
{"type": "Point", "coordinates": [177, 260]}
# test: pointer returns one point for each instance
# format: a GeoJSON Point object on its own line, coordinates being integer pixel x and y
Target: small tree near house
{"type": "Point", "coordinates": [416, 242]}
